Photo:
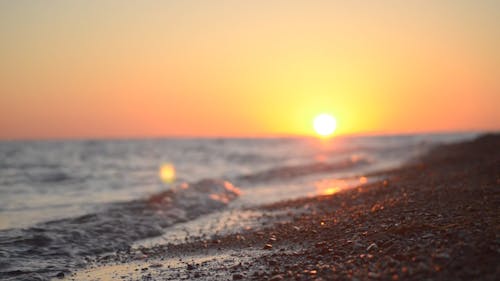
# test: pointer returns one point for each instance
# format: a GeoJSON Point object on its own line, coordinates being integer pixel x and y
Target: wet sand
{"type": "Point", "coordinates": [437, 218]}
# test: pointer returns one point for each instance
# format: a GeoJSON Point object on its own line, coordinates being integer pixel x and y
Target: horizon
{"type": "Point", "coordinates": [249, 137]}
{"type": "Point", "coordinates": [192, 69]}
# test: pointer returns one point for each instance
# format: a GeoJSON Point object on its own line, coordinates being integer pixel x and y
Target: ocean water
{"type": "Point", "coordinates": [64, 201]}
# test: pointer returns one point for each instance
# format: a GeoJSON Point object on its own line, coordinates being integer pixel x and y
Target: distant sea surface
{"type": "Point", "coordinates": [61, 201]}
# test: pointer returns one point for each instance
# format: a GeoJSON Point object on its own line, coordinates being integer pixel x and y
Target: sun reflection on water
{"type": "Point", "coordinates": [363, 180]}
{"type": "Point", "coordinates": [329, 186]}
{"type": "Point", "coordinates": [167, 173]}
{"type": "Point", "coordinates": [332, 186]}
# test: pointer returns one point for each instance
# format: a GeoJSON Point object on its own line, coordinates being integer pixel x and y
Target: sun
{"type": "Point", "coordinates": [325, 125]}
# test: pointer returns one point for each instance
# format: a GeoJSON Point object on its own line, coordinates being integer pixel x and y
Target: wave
{"type": "Point", "coordinates": [42, 251]}
{"type": "Point", "coordinates": [290, 172]}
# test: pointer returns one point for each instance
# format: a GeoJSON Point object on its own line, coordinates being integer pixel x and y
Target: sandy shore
{"type": "Point", "coordinates": [435, 219]}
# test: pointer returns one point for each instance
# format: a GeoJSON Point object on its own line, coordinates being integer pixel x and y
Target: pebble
{"type": "Point", "coordinates": [372, 246]}
{"type": "Point", "coordinates": [273, 262]}
{"type": "Point", "coordinates": [268, 247]}
{"type": "Point", "coordinates": [320, 244]}
{"type": "Point", "coordinates": [442, 256]}
{"type": "Point", "coordinates": [277, 277]}
{"type": "Point", "coordinates": [237, 276]}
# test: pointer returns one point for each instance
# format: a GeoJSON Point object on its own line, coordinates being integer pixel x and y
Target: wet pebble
{"type": "Point", "coordinates": [372, 246]}
{"type": "Point", "coordinates": [273, 262]}
{"type": "Point", "coordinates": [277, 277]}
{"type": "Point", "coordinates": [237, 276]}
{"type": "Point", "coordinates": [320, 244]}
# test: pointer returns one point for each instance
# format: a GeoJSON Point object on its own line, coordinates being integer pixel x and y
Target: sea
{"type": "Point", "coordinates": [65, 202]}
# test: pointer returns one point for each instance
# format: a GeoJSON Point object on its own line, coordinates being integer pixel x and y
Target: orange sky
{"type": "Point", "coordinates": [73, 69]}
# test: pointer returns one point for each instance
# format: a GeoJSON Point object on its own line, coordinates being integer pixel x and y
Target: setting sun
{"type": "Point", "coordinates": [325, 124]}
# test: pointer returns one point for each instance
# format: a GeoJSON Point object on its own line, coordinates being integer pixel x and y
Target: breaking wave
{"type": "Point", "coordinates": [41, 251]}
{"type": "Point", "coordinates": [290, 172]}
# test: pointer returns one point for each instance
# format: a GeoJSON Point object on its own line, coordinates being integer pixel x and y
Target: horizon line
{"type": "Point", "coordinates": [263, 136]}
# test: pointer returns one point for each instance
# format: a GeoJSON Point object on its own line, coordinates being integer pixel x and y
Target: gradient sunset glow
{"type": "Point", "coordinates": [74, 69]}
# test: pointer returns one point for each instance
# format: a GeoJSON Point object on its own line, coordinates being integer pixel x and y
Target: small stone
{"type": "Point", "coordinates": [268, 247]}
{"type": "Point", "coordinates": [442, 256]}
{"type": "Point", "coordinates": [277, 277]}
{"type": "Point", "coordinates": [422, 267]}
{"type": "Point", "coordinates": [320, 244]}
{"type": "Point", "coordinates": [358, 246]}
{"type": "Point", "coordinates": [190, 267]}
{"type": "Point", "coordinates": [372, 246]}
{"type": "Point", "coordinates": [60, 275]}
{"type": "Point", "coordinates": [237, 276]}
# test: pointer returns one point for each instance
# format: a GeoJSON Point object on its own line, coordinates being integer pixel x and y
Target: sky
{"type": "Point", "coordinates": [111, 69]}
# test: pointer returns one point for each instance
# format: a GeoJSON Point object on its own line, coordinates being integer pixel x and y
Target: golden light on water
{"type": "Point", "coordinates": [167, 173]}
{"type": "Point", "coordinates": [331, 190]}
{"type": "Point", "coordinates": [333, 186]}
{"type": "Point", "coordinates": [363, 180]}
{"type": "Point", "coordinates": [228, 196]}
{"type": "Point", "coordinates": [329, 186]}
{"type": "Point", "coordinates": [325, 125]}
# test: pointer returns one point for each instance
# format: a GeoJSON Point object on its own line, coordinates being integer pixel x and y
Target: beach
{"type": "Point", "coordinates": [249, 140]}
{"type": "Point", "coordinates": [435, 218]}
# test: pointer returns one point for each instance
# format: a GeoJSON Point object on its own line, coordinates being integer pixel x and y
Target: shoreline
{"type": "Point", "coordinates": [434, 218]}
